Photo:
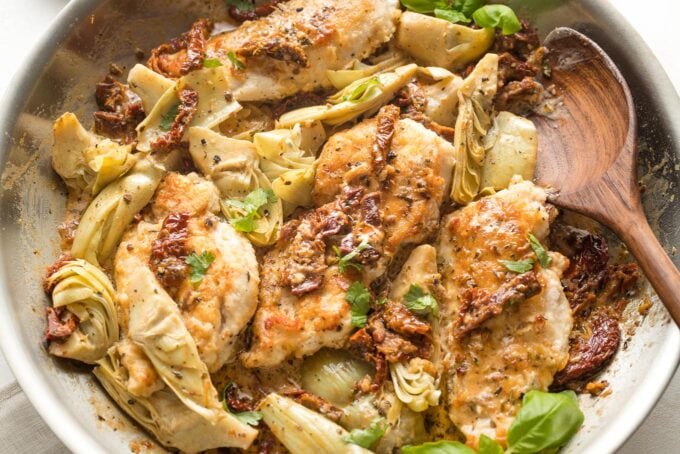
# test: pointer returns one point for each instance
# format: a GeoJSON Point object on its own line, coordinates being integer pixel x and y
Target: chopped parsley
{"type": "Point", "coordinates": [250, 206]}
{"type": "Point", "coordinates": [199, 265]}
{"type": "Point", "coordinates": [238, 64]}
{"type": "Point", "coordinates": [542, 255]}
{"type": "Point", "coordinates": [359, 298]}
{"type": "Point", "coordinates": [346, 260]}
{"type": "Point", "coordinates": [419, 302]}
{"type": "Point", "coordinates": [168, 118]}
{"type": "Point", "coordinates": [367, 437]}
{"type": "Point", "coordinates": [519, 266]}
{"type": "Point", "coordinates": [211, 63]}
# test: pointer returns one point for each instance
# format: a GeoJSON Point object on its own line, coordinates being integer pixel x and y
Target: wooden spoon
{"type": "Point", "coordinates": [588, 154]}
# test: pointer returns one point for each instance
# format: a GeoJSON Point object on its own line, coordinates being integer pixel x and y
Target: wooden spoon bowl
{"type": "Point", "coordinates": [587, 154]}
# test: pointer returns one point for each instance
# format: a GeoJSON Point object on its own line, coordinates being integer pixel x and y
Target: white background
{"type": "Point", "coordinates": [22, 21]}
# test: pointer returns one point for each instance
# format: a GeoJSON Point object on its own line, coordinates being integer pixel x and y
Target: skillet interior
{"type": "Point", "coordinates": [76, 53]}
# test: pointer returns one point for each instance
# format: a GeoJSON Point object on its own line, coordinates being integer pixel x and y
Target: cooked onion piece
{"type": "Point", "coordinates": [302, 430]}
{"type": "Point", "coordinates": [109, 214]}
{"type": "Point", "coordinates": [362, 97]}
{"type": "Point", "coordinates": [148, 85]}
{"type": "Point", "coordinates": [511, 149]}
{"type": "Point", "coordinates": [86, 292]}
{"type": "Point", "coordinates": [164, 415]}
{"type": "Point", "coordinates": [86, 161]}
{"type": "Point", "coordinates": [333, 375]}
{"type": "Point", "coordinates": [214, 105]}
{"type": "Point", "coordinates": [475, 98]}
{"type": "Point", "coordinates": [438, 42]}
{"type": "Point", "coordinates": [415, 384]}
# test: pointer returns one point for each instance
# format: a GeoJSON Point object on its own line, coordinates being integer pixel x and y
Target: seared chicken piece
{"type": "Point", "coordinates": [183, 222]}
{"type": "Point", "coordinates": [290, 50]}
{"type": "Point", "coordinates": [379, 184]}
{"type": "Point", "coordinates": [413, 182]}
{"type": "Point", "coordinates": [502, 333]}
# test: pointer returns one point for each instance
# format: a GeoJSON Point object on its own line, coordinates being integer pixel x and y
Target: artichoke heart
{"type": "Point", "coordinates": [166, 417]}
{"type": "Point", "coordinates": [233, 165]}
{"type": "Point", "coordinates": [438, 42]}
{"type": "Point", "coordinates": [415, 384]}
{"type": "Point", "coordinates": [511, 149]}
{"type": "Point", "coordinates": [84, 160]}
{"type": "Point", "coordinates": [302, 430]}
{"type": "Point", "coordinates": [475, 98]}
{"type": "Point", "coordinates": [85, 291]}
{"type": "Point", "coordinates": [290, 168]}
{"type": "Point", "coordinates": [111, 212]}
{"type": "Point", "coordinates": [361, 97]}
{"type": "Point", "coordinates": [441, 94]}
{"type": "Point", "coordinates": [148, 85]}
{"type": "Point", "coordinates": [358, 70]}
{"type": "Point", "coordinates": [215, 104]}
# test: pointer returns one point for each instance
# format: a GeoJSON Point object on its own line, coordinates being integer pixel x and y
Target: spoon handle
{"type": "Point", "coordinates": [655, 263]}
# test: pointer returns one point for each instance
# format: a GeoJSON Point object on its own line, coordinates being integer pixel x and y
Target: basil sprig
{"type": "Point", "coordinates": [546, 422]}
{"type": "Point", "coordinates": [466, 11]}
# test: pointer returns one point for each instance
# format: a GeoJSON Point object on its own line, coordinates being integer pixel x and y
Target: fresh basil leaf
{"type": "Point", "coordinates": [519, 266]}
{"type": "Point", "coordinates": [546, 421]}
{"type": "Point", "coordinates": [497, 16]}
{"type": "Point", "coordinates": [168, 118]}
{"type": "Point", "coordinates": [488, 446]}
{"type": "Point", "coordinates": [359, 299]}
{"type": "Point", "coordinates": [467, 7]}
{"type": "Point", "coordinates": [243, 5]}
{"type": "Point", "coordinates": [438, 447]}
{"type": "Point", "coordinates": [542, 255]}
{"type": "Point", "coordinates": [238, 64]}
{"type": "Point", "coordinates": [252, 418]}
{"type": "Point", "coordinates": [451, 15]}
{"type": "Point", "coordinates": [251, 206]}
{"type": "Point", "coordinates": [419, 302]}
{"type": "Point", "coordinates": [346, 260]}
{"type": "Point", "coordinates": [211, 63]}
{"type": "Point", "coordinates": [425, 6]}
{"type": "Point", "coordinates": [367, 437]}
{"type": "Point", "coordinates": [199, 265]}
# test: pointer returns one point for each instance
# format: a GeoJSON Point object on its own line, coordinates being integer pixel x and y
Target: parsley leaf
{"type": "Point", "coordinates": [211, 63]}
{"type": "Point", "coordinates": [520, 266]}
{"type": "Point", "coordinates": [243, 5]}
{"type": "Point", "coordinates": [252, 418]}
{"type": "Point", "coordinates": [359, 299]}
{"type": "Point", "coordinates": [366, 437]}
{"type": "Point", "coordinates": [238, 64]}
{"type": "Point", "coordinates": [543, 257]}
{"type": "Point", "coordinates": [451, 15]}
{"type": "Point", "coordinates": [251, 206]}
{"type": "Point", "coordinates": [199, 265]}
{"type": "Point", "coordinates": [419, 302]}
{"type": "Point", "coordinates": [497, 16]}
{"type": "Point", "coordinates": [346, 260]}
{"type": "Point", "coordinates": [168, 118]}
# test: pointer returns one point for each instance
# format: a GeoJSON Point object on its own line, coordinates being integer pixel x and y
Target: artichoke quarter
{"type": "Point", "coordinates": [111, 212]}
{"type": "Point", "coordinates": [86, 292]}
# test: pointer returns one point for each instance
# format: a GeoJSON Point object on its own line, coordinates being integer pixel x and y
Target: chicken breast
{"type": "Point", "coordinates": [413, 184]}
{"type": "Point", "coordinates": [380, 185]}
{"type": "Point", "coordinates": [502, 333]}
{"type": "Point", "coordinates": [215, 307]}
{"type": "Point", "coordinates": [290, 50]}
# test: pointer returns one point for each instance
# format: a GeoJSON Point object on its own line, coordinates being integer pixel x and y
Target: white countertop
{"type": "Point", "coordinates": [23, 21]}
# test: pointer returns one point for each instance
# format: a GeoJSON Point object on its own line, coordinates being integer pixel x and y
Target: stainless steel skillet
{"type": "Point", "coordinates": [75, 53]}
